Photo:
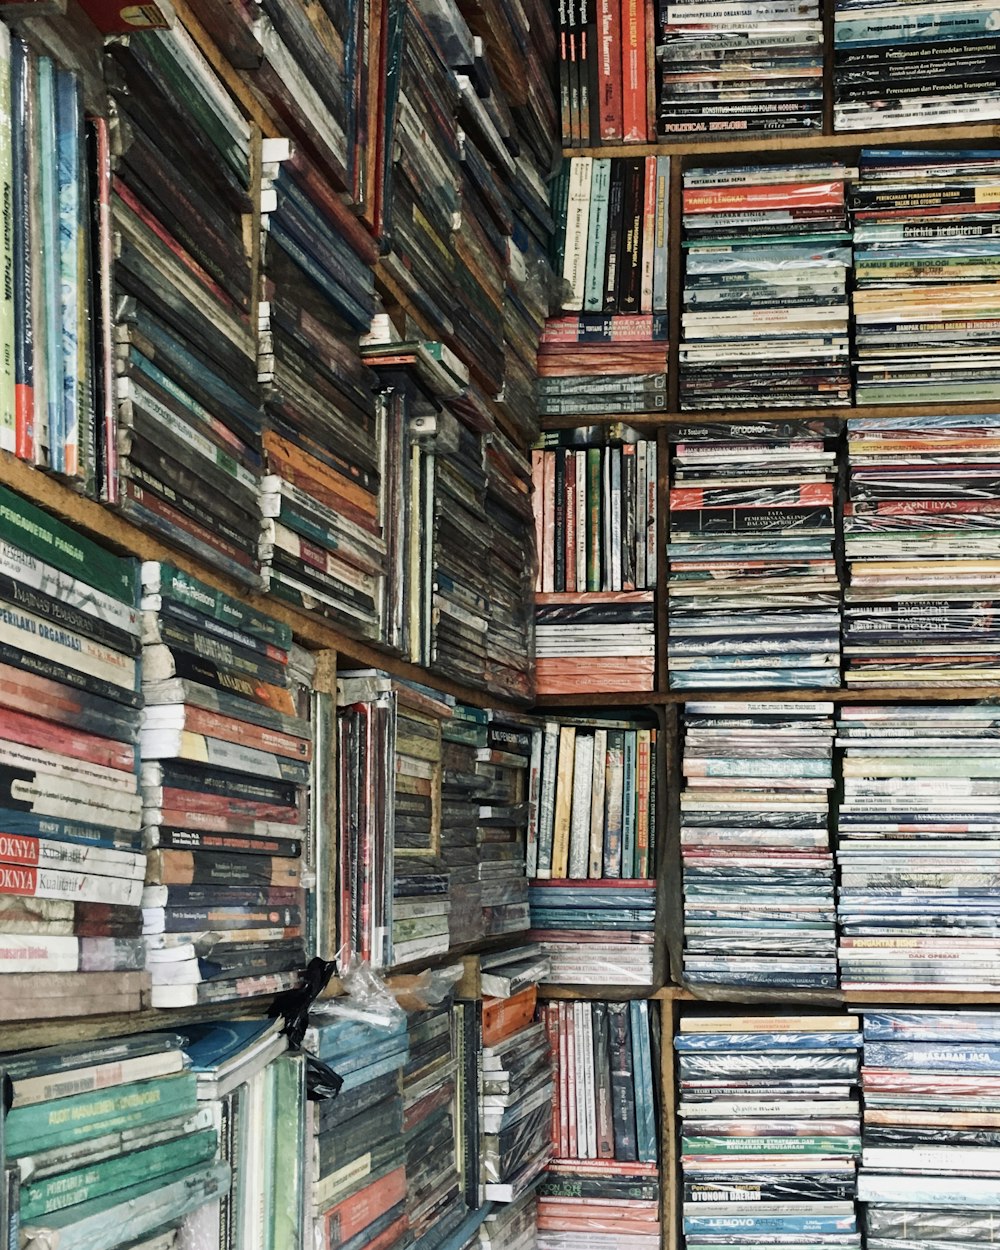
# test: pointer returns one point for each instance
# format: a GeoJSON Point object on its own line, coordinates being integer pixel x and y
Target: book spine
{"type": "Point", "coordinates": [633, 71]}
{"type": "Point", "coordinates": [598, 235]}
{"type": "Point", "coordinates": [24, 359]}
{"type": "Point", "coordinates": [577, 222]}
{"type": "Point", "coordinates": [610, 78]}
{"type": "Point", "coordinates": [648, 250]}
{"type": "Point", "coordinates": [622, 1082]}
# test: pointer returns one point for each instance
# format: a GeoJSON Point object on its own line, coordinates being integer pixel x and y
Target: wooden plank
{"type": "Point", "coordinates": [107, 526]}
{"type": "Point", "coordinates": [970, 134]}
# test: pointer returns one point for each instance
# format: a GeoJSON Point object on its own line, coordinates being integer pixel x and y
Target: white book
{"type": "Point", "coordinates": [579, 833]}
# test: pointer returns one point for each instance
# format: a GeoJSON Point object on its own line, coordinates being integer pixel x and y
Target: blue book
{"type": "Point", "coordinates": [754, 1225]}
{"type": "Point", "coordinates": [742, 1042]}
{"type": "Point", "coordinates": [210, 1046]}
{"type": "Point", "coordinates": [916, 1026]}
{"type": "Point", "coordinates": [392, 1063]}
{"type": "Point", "coordinates": [645, 1105]}
{"type": "Point", "coordinates": [958, 1056]}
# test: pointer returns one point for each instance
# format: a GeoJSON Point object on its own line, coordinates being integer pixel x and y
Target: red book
{"type": "Point", "coordinates": [634, 71]}
{"type": "Point", "coordinates": [779, 196]}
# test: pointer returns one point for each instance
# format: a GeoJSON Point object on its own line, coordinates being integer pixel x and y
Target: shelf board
{"type": "Point", "coordinates": [107, 526]}
{"type": "Point", "coordinates": [769, 142]}
{"type": "Point", "coordinates": [840, 694]}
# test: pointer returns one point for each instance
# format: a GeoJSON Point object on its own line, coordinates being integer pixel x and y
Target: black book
{"type": "Point", "coordinates": [630, 265]}
{"type": "Point", "coordinates": [613, 257]}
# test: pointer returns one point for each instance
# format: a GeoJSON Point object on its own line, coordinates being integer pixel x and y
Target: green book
{"type": "Point", "coordinates": [770, 1145]}
{"type": "Point", "coordinates": [43, 1125]}
{"type": "Point", "coordinates": [597, 236]}
{"type": "Point", "coordinates": [122, 1172]}
{"type": "Point", "coordinates": [180, 587]}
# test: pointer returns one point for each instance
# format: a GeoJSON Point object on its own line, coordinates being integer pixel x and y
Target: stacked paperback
{"type": "Point", "coordinates": [324, 495]}
{"type": "Point", "coordinates": [185, 346]}
{"type": "Point", "coordinates": [924, 304]}
{"type": "Point", "coordinates": [515, 1096]}
{"type": "Point", "coordinates": [753, 592]}
{"type": "Point", "coordinates": [765, 321]}
{"type": "Point", "coordinates": [931, 1084]}
{"type": "Point", "coordinates": [750, 68]}
{"type": "Point", "coordinates": [601, 359]}
{"type": "Point", "coordinates": [226, 749]}
{"type": "Point", "coordinates": [770, 1130]}
{"type": "Point", "coordinates": [923, 549]}
{"type": "Point", "coordinates": [914, 64]}
{"type": "Point", "coordinates": [603, 1182]}
{"type": "Point", "coordinates": [71, 855]}
{"type": "Point", "coordinates": [463, 736]}
{"type": "Point", "coordinates": [758, 870]}
{"type": "Point", "coordinates": [356, 1147]}
{"type": "Point", "coordinates": [917, 847]}
{"type": "Point", "coordinates": [110, 1141]}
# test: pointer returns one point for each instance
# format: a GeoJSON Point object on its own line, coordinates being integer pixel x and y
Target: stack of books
{"type": "Point", "coordinates": [463, 735]}
{"type": "Point", "coordinates": [922, 539]}
{"type": "Point", "coordinates": [249, 1086]}
{"type": "Point", "coordinates": [765, 317]}
{"type": "Point", "coordinates": [71, 855]}
{"type": "Point", "coordinates": [109, 1140]}
{"type": "Point", "coordinates": [603, 1180]}
{"type": "Point", "coordinates": [931, 1085]}
{"type": "Point", "coordinates": [917, 847]}
{"type": "Point", "coordinates": [357, 1149]}
{"type": "Point", "coordinates": [504, 764]}
{"type": "Point", "coordinates": [758, 871]}
{"type": "Point", "coordinates": [595, 511]}
{"type": "Point", "coordinates": [924, 304]}
{"type": "Point", "coordinates": [607, 363]}
{"type": "Point", "coordinates": [507, 664]}
{"type": "Point", "coordinates": [56, 400]}
{"type": "Point", "coordinates": [770, 1129]}
{"type": "Point", "coordinates": [226, 747]}
{"type": "Point", "coordinates": [186, 338]}
{"type": "Point", "coordinates": [327, 444]}
{"type": "Point", "coordinates": [913, 64]}
{"type": "Point", "coordinates": [311, 69]}
{"type": "Point", "coordinates": [393, 897]}
{"type": "Point", "coordinates": [435, 1201]}
{"type": "Point", "coordinates": [515, 1098]}
{"type": "Point", "coordinates": [753, 68]}
{"type": "Point", "coordinates": [511, 1226]}
{"type": "Point", "coordinates": [753, 590]}
{"type": "Point", "coordinates": [595, 932]}
{"type": "Point", "coordinates": [603, 71]}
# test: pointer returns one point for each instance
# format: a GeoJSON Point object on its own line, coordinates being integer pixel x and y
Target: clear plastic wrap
{"type": "Point", "coordinates": [766, 1041]}
{"type": "Point", "coordinates": [768, 1064]}
{"type": "Point", "coordinates": [911, 1223]}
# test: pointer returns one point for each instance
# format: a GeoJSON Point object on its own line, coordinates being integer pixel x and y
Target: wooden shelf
{"type": "Point", "coordinates": [769, 143]}
{"type": "Point", "coordinates": [107, 526]}
{"type": "Point", "coordinates": [839, 694]}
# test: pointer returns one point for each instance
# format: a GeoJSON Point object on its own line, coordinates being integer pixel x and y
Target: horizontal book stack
{"type": "Point", "coordinates": [592, 853]}
{"type": "Point", "coordinates": [753, 590]}
{"type": "Point", "coordinates": [423, 183]}
{"type": "Point", "coordinates": [597, 363]}
{"type": "Point", "coordinates": [515, 1097]}
{"type": "Point", "coordinates": [226, 747]}
{"type": "Point", "coordinates": [435, 1201]}
{"type": "Point", "coordinates": [770, 1129]}
{"type": "Point", "coordinates": [913, 65]}
{"type": "Point", "coordinates": [510, 1226]}
{"type": "Point", "coordinates": [765, 321]}
{"type": "Point", "coordinates": [185, 339]}
{"type": "Point", "coordinates": [109, 1141]}
{"type": "Point", "coordinates": [463, 735]}
{"type": "Point", "coordinates": [71, 856]}
{"type": "Point", "coordinates": [508, 668]}
{"type": "Point", "coordinates": [931, 1085]}
{"type": "Point", "coordinates": [595, 511]}
{"type": "Point", "coordinates": [917, 847]}
{"type": "Point", "coordinates": [604, 47]}
{"type": "Point", "coordinates": [922, 551]}
{"type": "Point", "coordinates": [602, 1186]}
{"type": "Point", "coordinates": [55, 405]}
{"type": "Point", "coordinates": [758, 871]}
{"type": "Point", "coordinates": [311, 69]}
{"type": "Point", "coordinates": [357, 1149]}
{"type": "Point", "coordinates": [506, 767]}
{"type": "Point", "coordinates": [924, 311]}
{"type": "Point", "coordinates": [324, 496]}
{"type": "Point", "coordinates": [753, 68]}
